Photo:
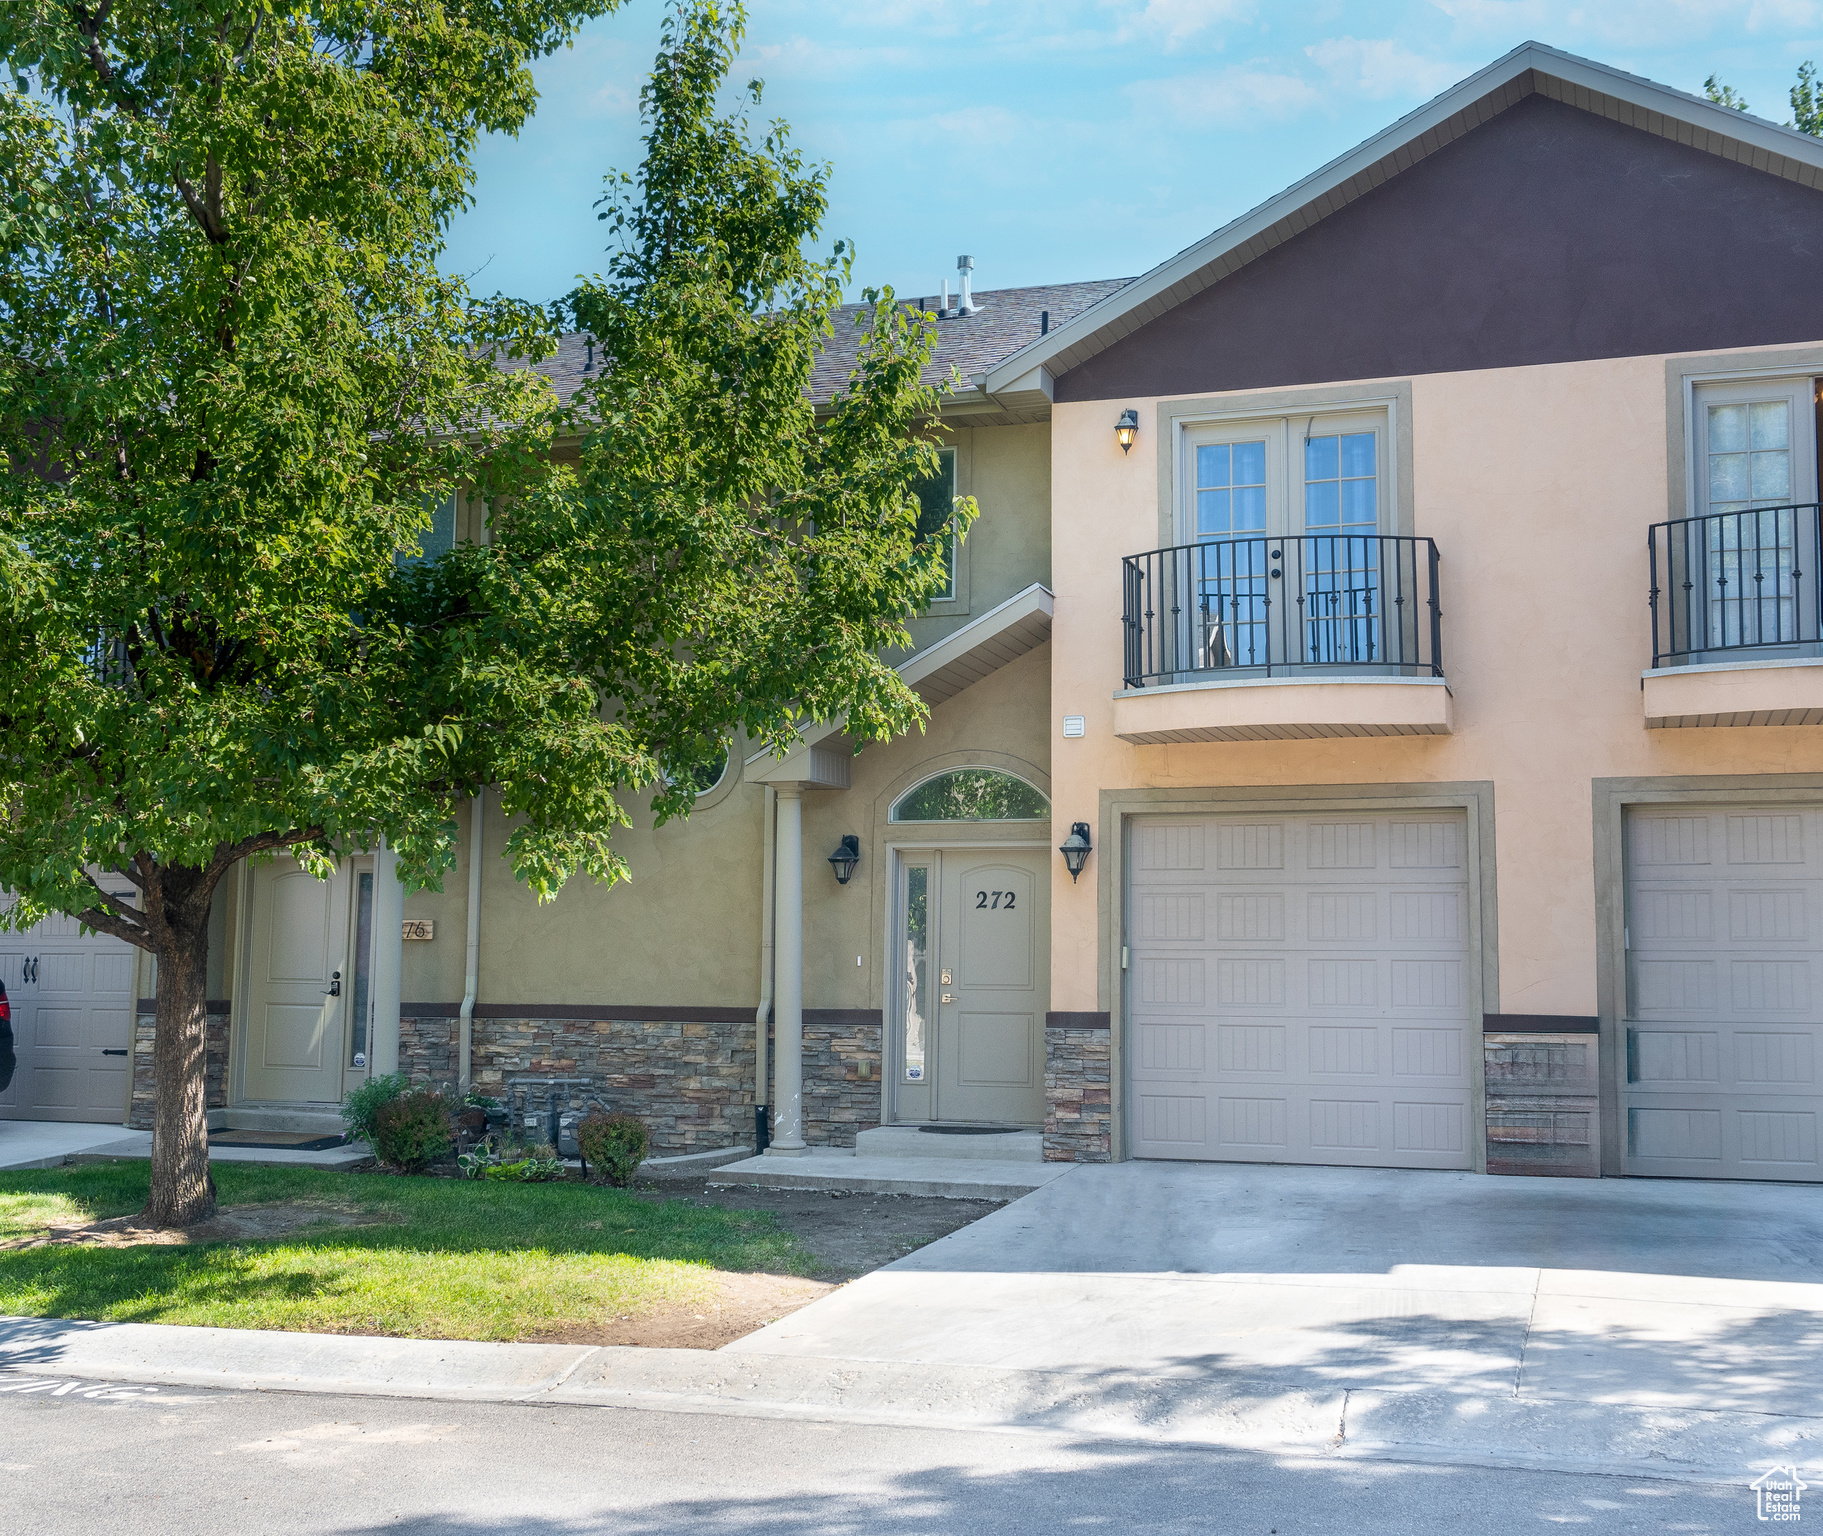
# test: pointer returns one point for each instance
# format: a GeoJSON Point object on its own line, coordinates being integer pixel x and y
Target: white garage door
{"type": "Point", "coordinates": [1299, 989]}
{"type": "Point", "coordinates": [1724, 961]}
{"type": "Point", "coordinates": [72, 997]}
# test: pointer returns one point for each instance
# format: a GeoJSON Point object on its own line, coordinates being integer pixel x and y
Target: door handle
{"type": "Point", "coordinates": [949, 997]}
{"type": "Point", "coordinates": [112, 1051]}
{"type": "Point", "coordinates": [335, 984]}
{"type": "Point", "coordinates": [29, 970]}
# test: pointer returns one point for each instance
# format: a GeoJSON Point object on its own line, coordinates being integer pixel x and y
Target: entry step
{"type": "Point", "coordinates": [958, 1143]}
{"type": "Point", "coordinates": [319, 1119]}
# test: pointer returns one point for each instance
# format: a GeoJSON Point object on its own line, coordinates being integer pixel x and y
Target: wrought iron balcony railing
{"type": "Point", "coordinates": [1731, 584]}
{"type": "Point", "coordinates": [1348, 604]}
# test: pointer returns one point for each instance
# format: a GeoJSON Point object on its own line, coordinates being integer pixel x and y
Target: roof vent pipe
{"type": "Point", "coordinates": [944, 312]}
{"type": "Point", "coordinates": [965, 267]}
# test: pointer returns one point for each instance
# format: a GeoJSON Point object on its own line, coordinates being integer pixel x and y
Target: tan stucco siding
{"type": "Point", "coordinates": [1538, 485]}
{"type": "Point", "coordinates": [1008, 472]}
{"type": "Point", "coordinates": [1002, 722]}
{"type": "Point", "coordinates": [685, 931]}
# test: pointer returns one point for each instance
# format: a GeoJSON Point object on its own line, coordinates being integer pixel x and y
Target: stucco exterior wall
{"type": "Point", "coordinates": [1008, 472]}
{"type": "Point", "coordinates": [1538, 484]}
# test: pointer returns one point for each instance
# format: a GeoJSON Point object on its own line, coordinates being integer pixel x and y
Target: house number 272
{"type": "Point", "coordinates": [982, 903]}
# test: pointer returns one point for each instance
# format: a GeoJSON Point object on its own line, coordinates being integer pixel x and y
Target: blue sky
{"type": "Point", "coordinates": [1057, 140]}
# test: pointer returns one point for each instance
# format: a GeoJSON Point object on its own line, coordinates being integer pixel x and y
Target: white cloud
{"type": "Point", "coordinates": [1229, 98]}
{"type": "Point", "coordinates": [1176, 21]}
{"type": "Point", "coordinates": [1377, 68]}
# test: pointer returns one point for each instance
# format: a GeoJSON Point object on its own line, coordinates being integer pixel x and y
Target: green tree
{"type": "Point", "coordinates": [231, 382]}
{"type": "Point", "coordinates": [1806, 100]}
{"type": "Point", "coordinates": [1806, 107]}
{"type": "Point", "coordinates": [750, 552]}
{"type": "Point", "coordinates": [1723, 95]}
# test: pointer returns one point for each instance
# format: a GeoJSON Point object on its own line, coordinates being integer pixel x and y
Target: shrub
{"type": "Point", "coordinates": [413, 1130]}
{"type": "Point", "coordinates": [613, 1146]}
{"type": "Point", "coordinates": [361, 1105]}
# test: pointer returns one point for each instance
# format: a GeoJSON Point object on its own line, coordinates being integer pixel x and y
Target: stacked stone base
{"type": "Point", "coordinates": [691, 1082]}
{"type": "Point", "coordinates": [1078, 1095]}
{"type": "Point", "coordinates": [215, 1064]}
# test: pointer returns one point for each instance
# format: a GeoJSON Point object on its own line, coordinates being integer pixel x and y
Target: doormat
{"type": "Point", "coordinates": [969, 1130]}
{"type": "Point", "coordinates": [292, 1141]}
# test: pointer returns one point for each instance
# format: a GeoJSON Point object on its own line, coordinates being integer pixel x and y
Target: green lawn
{"type": "Point", "coordinates": [454, 1260]}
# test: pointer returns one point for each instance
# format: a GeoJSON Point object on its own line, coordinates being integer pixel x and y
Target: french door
{"type": "Point", "coordinates": [1747, 563]}
{"type": "Point", "coordinates": [1284, 562]}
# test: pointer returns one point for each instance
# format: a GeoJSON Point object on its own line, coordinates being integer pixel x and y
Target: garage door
{"type": "Point", "coordinates": [1724, 960]}
{"type": "Point", "coordinates": [1299, 989]}
{"type": "Point", "coordinates": [72, 997]}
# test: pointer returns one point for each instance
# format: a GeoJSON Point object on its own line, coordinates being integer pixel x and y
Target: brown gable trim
{"type": "Point", "coordinates": [1549, 235]}
{"type": "Point", "coordinates": [1530, 70]}
{"type": "Point", "coordinates": [216, 1007]}
{"type": "Point", "coordinates": [650, 1013]}
{"type": "Point", "coordinates": [1078, 1021]}
{"type": "Point", "coordinates": [843, 1018]}
{"type": "Point", "coordinates": [1540, 1024]}
{"type": "Point", "coordinates": [641, 1013]}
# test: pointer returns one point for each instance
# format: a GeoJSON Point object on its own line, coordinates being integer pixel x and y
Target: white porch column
{"type": "Point", "coordinates": [788, 995]}
{"type": "Point", "coordinates": [385, 969]}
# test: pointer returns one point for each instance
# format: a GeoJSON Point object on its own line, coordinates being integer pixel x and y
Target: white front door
{"type": "Point", "coordinates": [72, 999]}
{"type": "Point", "coordinates": [974, 934]}
{"type": "Point", "coordinates": [297, 1001]}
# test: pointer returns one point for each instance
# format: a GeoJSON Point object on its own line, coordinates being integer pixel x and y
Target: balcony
{"type": "Point", "coordinates": [1736, 632]}
{"type": "Point", "coordinates": [1267, 639]}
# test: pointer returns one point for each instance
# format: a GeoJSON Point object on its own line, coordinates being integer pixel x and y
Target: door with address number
{"type": "Point", "coordinates": [993, 977]}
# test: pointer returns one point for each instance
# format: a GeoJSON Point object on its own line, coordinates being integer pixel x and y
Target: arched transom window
{"type": "Point", "coordinates": [972, 794]}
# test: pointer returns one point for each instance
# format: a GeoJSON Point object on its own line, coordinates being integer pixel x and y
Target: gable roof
{"type": "Point", "coordinates": [1530, 69]}
{"type": "Point", "coordinates": [1004, 321]}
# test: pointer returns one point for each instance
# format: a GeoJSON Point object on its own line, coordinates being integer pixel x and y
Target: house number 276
{"type": "Point", "coordinates": [983, 904]}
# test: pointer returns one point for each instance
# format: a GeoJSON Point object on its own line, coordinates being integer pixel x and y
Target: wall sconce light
{"type": "Point", "coordinates": [844, 859]}
{"type": "Point", "coordinates": [1127, 428]}
{"type": "Point", "coordinates": [1076, 849]}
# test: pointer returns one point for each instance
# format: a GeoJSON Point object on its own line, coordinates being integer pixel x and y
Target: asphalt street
{"type": "Point", "coordinates": [80, 1456]}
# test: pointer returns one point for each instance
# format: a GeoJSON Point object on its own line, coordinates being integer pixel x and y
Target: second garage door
{"type": "Point", "coordinates": [1299, 989]}
{"type": "Point", "coordinates": [1724, 950]}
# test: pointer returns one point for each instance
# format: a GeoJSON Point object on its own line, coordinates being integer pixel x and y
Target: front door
{"type": "Point", "coordinates": [296, 1005]}
{"type": "Point", "coordinates": [972, 1004]}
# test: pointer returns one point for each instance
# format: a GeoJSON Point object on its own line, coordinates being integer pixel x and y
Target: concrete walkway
{"type": "Point", "coordinates": [46, 1143]}
{"type": "Point", "coordinates": [1434, 1306]}
{"type": "Point", "coordinates": [1632, 1326]}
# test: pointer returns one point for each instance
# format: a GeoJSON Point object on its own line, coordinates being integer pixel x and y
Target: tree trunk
{"type": "Point", "coordinates": [182, 1191]}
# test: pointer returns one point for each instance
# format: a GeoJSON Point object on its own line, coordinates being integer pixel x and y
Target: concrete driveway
{"type": "Point", "coordinates": [1471, 1293]}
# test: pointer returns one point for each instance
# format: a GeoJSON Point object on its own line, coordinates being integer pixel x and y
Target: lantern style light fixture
{"type": "Point", "coordinates": [1127, 428]}
{"type": "Point", "coordinates": [844, 859]}
{"type": "Point", "coordinates": [1076, 849]}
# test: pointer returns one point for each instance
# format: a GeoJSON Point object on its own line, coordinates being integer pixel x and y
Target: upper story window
{"type": "Point", "coordinates": [1342, 483]}
{"type": "Point", "coordinates": [1284, 477]}
{"type": "Point", "coordinates": [439, 538]}
{"type": "Point", "coordinates": [936, 514]}
{"type": "Point", "coordinates": [972, 794]}
{"type": "Point", "coordinates": [1739, 572]}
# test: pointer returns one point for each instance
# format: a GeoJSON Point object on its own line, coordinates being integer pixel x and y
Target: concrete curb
{"type": "Point", "coordinates": [1210, 1409]}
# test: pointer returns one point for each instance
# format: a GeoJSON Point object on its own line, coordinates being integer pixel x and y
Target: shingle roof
{"type": "Point", "coordinates": [1005, 320]}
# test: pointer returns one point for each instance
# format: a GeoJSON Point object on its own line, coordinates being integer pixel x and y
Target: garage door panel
{"type": "Point", "coordinates": [1335, 1014]}
{"type": "Point", "coordinates": [1725, 940]}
